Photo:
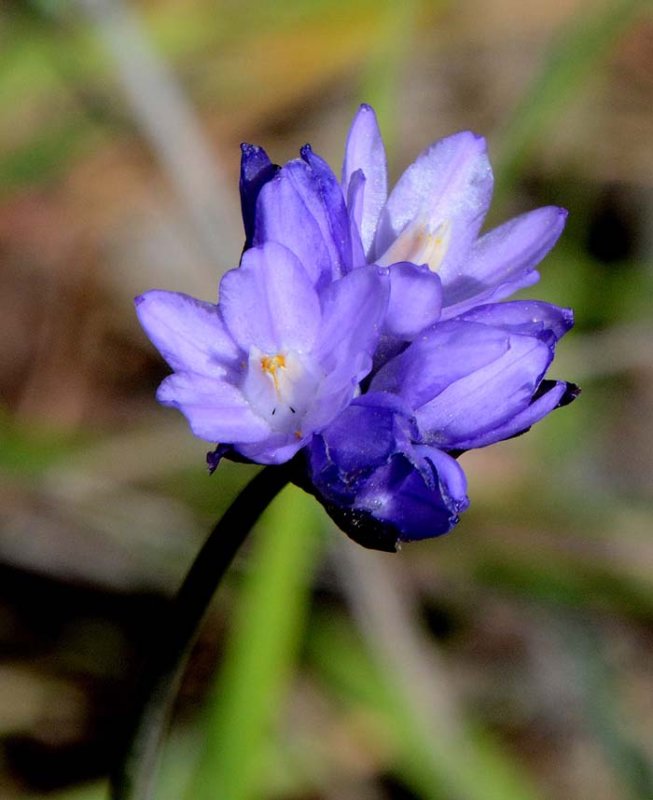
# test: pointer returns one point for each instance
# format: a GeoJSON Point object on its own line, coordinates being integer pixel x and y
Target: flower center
{"type": "Point", "coordinates": [280, 387]}
{"type": "Point", "coordinates": [419, 244]}
{"type": "Point", "coordinates": [271, 365]}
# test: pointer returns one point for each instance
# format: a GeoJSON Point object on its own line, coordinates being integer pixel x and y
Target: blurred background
{"type": "Point", "coordinates": [509, 660]}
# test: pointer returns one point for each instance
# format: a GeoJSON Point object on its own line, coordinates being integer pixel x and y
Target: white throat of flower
{"type": "Point", "coordinates": [419, 243]}
{"type": "Point", "coordinates": [280, 388]}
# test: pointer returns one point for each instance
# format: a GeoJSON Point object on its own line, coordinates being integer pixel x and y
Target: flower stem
{"type": "Point", "coordinates": [135, 774]}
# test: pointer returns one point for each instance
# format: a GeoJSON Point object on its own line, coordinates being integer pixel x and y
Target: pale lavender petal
{"type": "Point", "coordinates": [277, 449]}
{"type": "Point", "coordinates": [344, 237]}
{"type": "Point", "coordinates": [549, 396]}
{"type": "Point", "coordinates": [436, 210]}
{"type": "Point", "coordinates": [355, 195]}
{"type": "Point", "coordinates": [216, 410]}
{"type": "Point", "coordinates": [365, 151]}
{"type": "Point", "coordinates": [439, 357]}
{"type": "Point", "coordinates": [289, 211]}
{"type": "Point", "coordinates": [528, 317]}
{"type": "Point", "coordinates": [189, 333]}
{"type": "Point", "coordinates": [506, 255]}
{"type": "Point", "coordinates": [487, 397]}
{"type": "Point", "coordinates": [270, 301]}
{"type": "Point", "coordinates": [352, 310]}
{"type": "Point", "coordinates": [415, 300]}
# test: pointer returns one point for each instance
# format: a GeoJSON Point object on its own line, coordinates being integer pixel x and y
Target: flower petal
{"type": "Point", "coordinates": [398, 496]}
{"type": "Point", "coordinates": [452, 481]}
{"type": "Point", "coordinates": [278, 449]}
{"type": "Point", "coordinates": [216, 410]}
{"type": "Point", "coordinates": [345, 238]}
{"type": "Point", "coordinates": [269, 301]}
{"type": "Point", "coordinates": [549, 396]}
{"type": "Point", "coordinates": [436, 210]}
{"type": "Point", "coordinates": [365, 151]}
{"type": "Point", "coordinates": [528, 317]}
{"type": "Point", "coordinates": [289, 211]}
{"type": "Point", "coordinates": [256, 170]}
{"type": "Point", "coordinates": [415, 300]}
{"type": "Point", "coordinates": [353, 310]}
{"type": "Point", "coordinates": [487, 397]}
{"type": "Point", "coordinates": [189, 333]}
{"type": "Point", "coordinates": [441, 356]}
{"type": "Point", "coordinates": [504, 258]}
{"type": "Point", "coordinates": [352, 315]}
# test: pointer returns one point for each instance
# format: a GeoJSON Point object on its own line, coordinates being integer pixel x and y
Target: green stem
{"type": "Point", "coordinates": [134, 776]}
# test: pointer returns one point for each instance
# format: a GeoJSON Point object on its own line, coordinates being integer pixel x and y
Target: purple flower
{"type": "Point", "coordinates": [434, 215]}
{"type": "Point", "coordinates": [276, 360]}
{"type": "Point", "coordinates": [385, 463]}
{"type": "Point", "coordinates": [378, 481]}
{"type": "Point", "coordinates": [362, 329]}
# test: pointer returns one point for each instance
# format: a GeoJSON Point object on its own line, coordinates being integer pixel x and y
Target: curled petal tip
{"type": "Point", "coordinates": [571, 393]}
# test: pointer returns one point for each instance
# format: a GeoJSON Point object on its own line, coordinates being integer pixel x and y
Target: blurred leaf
{"type": "Point", "coordinates": [580, 49]}
{"type": "Point", "coordinates": [436, 764]}
{"type": "Point", "coordinates": [597, 685]}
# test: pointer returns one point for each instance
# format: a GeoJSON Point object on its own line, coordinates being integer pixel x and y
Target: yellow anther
{"type": "Point", "coordinates": [271, 365]}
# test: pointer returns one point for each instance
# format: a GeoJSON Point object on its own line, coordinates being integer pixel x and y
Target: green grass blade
{"type": "Point", "coordinates": [260, 654]}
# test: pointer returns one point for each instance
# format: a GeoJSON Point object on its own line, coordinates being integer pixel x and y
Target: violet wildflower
{"type": "Point", "coordinates": [359, 350]}
{"type": "Point", "coordinates": [362, 329]}
{"type": "Point", "coordinates": [276, 360]}
{"type": "Point", "coordinates": [434, 215]}
{"type": "Point", "coordinates": [385, 470]}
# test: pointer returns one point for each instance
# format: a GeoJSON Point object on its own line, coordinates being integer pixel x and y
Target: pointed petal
{"type": "Point", "coordinates": [365, 151]}
{"type": "Point", "coordinates": [487, 397]}
{"type": "Point", "coordinates": [451, 478]}
{"type": "Point", "coordinates": [550, 395]}
{"type": "Point", "coordinates": [352, 315]}
{"type": "Point", "coordinates": [528, 317]}
{"type": "Point", "coordinates": [256, 170]}
{"type": "Point", "coordinates": [441, 356]}
{"type": "Point", "coordinates": [436, 210]}
{"type": "Point", "coordinates": [503, 259]}
{"type": "Point", "coordinates": [216, 410]}
{"type": "Point", "coordinates": [355, 197]}
{"type": "Point", "coordinates": [415, 300]}
{"type": "Point", "coordinates": [270, 302]}
{"type": "Point", "coordinates": [345, 239]}
{"type": "Point", "coordinates": [285, 213]}
{"type": "Point", "coordinates": [189, 333]}
{"type": "Point", "coordinates": [353, 310]}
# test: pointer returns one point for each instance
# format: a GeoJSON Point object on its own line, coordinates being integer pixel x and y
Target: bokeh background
{"type": "Point", "coordinates": [512, 659]}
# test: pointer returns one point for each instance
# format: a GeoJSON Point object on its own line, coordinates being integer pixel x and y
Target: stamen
{"type": "Point", "coordinates": [271, 365]}
{"type": "Point", "coordinates": [420, 245]}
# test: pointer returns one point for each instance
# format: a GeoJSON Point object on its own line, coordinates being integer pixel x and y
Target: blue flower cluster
{"type": "Point", "coordinates": [361, 333]}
